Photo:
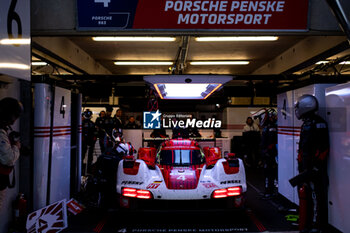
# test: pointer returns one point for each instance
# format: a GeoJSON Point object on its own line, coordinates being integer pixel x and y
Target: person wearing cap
{"type": "Point", "coordinates": [109, 122]}
{"type": "Point", "coordinates": [10, 111]}
{"type": "Point", "coordinates": [89, 137]}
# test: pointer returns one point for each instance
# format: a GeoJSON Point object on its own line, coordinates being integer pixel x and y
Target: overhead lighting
{"type": "Point", "coordinates": [345, 63]}
{"type": "Point", "coordinates": [186, 91]}
{"type": "Point", "coordinates": [14, 66]}
{"type": "Point", "coordinates": [15, 41]}
{"type": "Point", "coordinates": [236, 38]}
{"type": "Point", "coordinates": [322, 62]}
{"type": "Point", "coordinates": [39, 63]}
{"type": "Point", "coordinates": [134, 38]}
{"type": "Point", "coordinates": [143, 63]}
{"type": "Point", "coordinates": [192, 87]}
{"type": "Point", "coordinates": [204, 63]}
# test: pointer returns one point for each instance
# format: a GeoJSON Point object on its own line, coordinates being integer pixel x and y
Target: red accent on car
{"type": "Point", "coordinates": [148, 155]}
{"type": "Point", "coordinates": [137, 193]}
{"type": "Point", "coordinates": [230, 169]}
{"type": "Point", "coordinates": [132, 170]}
{"type": "Point", "coordinates": [212, 155]}
{"type": "Point", "coordinates": [228, 192]}
{"type": "Point", "coordinates": [220, 193]}
{"type": "Point", "coordinates": [181, 177]}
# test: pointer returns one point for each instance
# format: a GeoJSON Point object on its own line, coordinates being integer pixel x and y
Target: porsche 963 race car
{"type": "Point", "coordinates": [180, 170]}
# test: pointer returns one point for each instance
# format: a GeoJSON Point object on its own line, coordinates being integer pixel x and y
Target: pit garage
{"type": "Point", "coordinates": [135, 113]}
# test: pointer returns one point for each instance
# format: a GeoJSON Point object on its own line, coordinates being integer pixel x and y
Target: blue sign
{"type": "Point", "coordinates": [151, 120]}
{"type": "Point", "coordinates": [106, 14]}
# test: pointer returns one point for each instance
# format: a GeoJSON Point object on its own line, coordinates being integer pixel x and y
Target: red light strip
{"type": "Point", "coordinates": [229, 192]}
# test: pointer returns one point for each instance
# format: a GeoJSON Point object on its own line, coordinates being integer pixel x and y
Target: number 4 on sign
{"type": "Point", "coordinates": [105, 2]}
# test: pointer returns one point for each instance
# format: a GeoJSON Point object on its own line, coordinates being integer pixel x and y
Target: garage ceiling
{"type": "Point", "coordinates": [273, 65]}
{"type": "Point", "coordinates": [257, 53]}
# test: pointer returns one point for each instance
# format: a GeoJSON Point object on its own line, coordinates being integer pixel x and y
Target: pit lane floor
{"type": "Point", "coordinates": [258, 216]}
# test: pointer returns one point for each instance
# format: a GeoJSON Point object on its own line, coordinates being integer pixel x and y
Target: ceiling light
{"type": "Point", "coordinates": [185, 91]}
{"type": "Point", "coordinates": [14, 66]}
{"type": "Point", "coordinates": [219, 63]}
{"type": "Point", "coordinates": [193, 87]}
{"type": "Point", "coordinates": [39, 63]}
{"type": "Point", "coordinates": [322, 62]}
{"type": "Point", "coordinates": [143, 63]}
{"type": "Point", "coordinates": [134, 38]}
{"type": "Point", "coordinates": [15, 41]}
{"type": "Point", "coordinates": [237, 38]}
{"type": "Point", "coordinates": [345, 63]}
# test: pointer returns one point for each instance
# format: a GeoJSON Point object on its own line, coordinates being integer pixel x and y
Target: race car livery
{"type": "Point", "coordinates": [181, 170]}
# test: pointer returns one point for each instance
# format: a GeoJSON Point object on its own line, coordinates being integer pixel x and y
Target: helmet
{"type": "Point", "coordinates": [87, 114]}
{"type": "Point", "coordinates": [117, 135]}
{"type": "Point", "coordinates": [265, 116]}
{"type": "Point", "coordinates": [305, 104]}
{"type": "Point", "coordinates": [10, 110]}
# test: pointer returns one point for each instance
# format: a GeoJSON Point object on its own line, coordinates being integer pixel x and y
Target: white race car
{"type": "Point", "coordinates": [181, 170]}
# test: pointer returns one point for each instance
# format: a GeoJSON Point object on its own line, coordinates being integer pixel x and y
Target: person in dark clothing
{"type": "Point", "coordinates": [312, 160]}
{"type": "Point", "coordinates": [89, 137]}
{"type": "Point", "coordinates": [131, 124]}
{"type": "Point", "coordinates": [109, 122]}
{"type": "Point", "coordinates": [99, 123]}
{"type": "Point", "coordinates": [251, 140]}
{"type": "Point", "coordinates": [118, 119]}
{"type": "Point", "coordinates": [268, 121]}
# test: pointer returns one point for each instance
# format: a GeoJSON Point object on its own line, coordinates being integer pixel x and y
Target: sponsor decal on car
{"type": "Point", "coordinates": [209, 185]}
{"type": "Point", "coordinates": [132, 182]}
{"type": "Point", "coordinates": [153, 185]}
{"type": "Point", "coordinates": [230, 182]}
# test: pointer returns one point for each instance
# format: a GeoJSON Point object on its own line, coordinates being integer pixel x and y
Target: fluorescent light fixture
{"type": "Point", "coordinates": [39, 63]}
{"type": "Point", "coordinates": [134, 38]}
{"type": "Point", "coordinates": [321, 62]}
{"type": "Point", "coordinates": [341, 63]}
{"type": "Point", "coordinates": [236, 38]}
{"type": "Point", "coordinates": [192, 87]}
{"type": "Point", "coordinates": [14, 66]}
{"type": "Point", "coordinates": [15, 41]}
{"type": "Point", "coordinates": [143, 63]}
{"type": "Point", "coordinates": [186, 90]}
{"type": "Point", "coordinates": [204, 63]}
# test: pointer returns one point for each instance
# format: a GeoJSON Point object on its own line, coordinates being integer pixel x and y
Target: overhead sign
{"type": "Point", "coordinates": [189, 14]}
{"type": "Point", "coordinates": [15, 38]}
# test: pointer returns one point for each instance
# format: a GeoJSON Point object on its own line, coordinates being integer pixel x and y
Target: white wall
{"type": "Point", "coordinates": [338, 108]}
{"type": "Point", "coordinates": [10, 90]}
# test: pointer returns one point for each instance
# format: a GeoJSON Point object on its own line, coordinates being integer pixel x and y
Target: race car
{"type": "Point", "coordinates": [181, 170]}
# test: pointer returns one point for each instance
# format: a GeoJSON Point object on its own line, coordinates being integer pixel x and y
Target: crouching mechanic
{"type": "Point", "coordinates": [312, 165]}
{"type": "Point", "coordinates": [10, 110]}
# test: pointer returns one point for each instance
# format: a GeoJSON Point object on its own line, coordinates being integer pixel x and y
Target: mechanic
{"type": "Point", "coordinates": [251, 141]}
{"type": "Point", "coordinates": [268, 120]}
{"type": "Point", "coordinates": [89, 137]}
{"type": "Point", "coordinates": [109, 123]}
{"type": "Point", "coordinates": [118, 120]}
{"type": "Point", "coordinates": [10, 110]}
{"type": "Point", "coordinates": [101, 133]}
{"type": "Point", "coordinates": [131, 124]}
{"type": "Point", "coordinates": [312, 161]}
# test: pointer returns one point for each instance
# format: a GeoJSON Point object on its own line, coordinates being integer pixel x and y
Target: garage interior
{"type": "Point", "coordinates": [108, 68]}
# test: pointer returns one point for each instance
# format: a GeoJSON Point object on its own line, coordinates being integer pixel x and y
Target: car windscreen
{"type": "Point", "coordinates": [180, 157]}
